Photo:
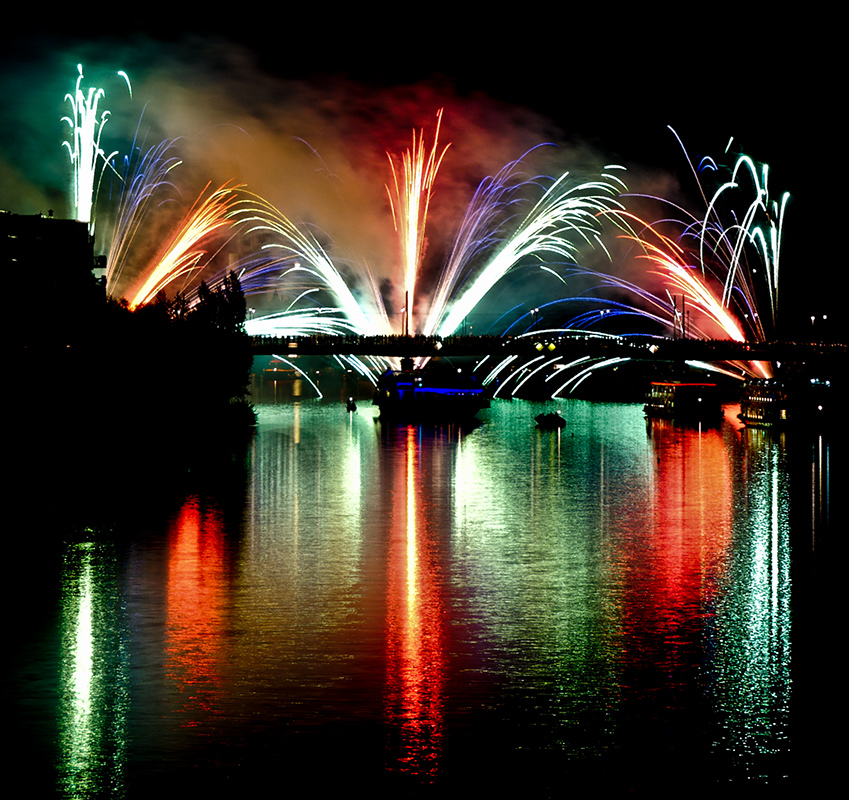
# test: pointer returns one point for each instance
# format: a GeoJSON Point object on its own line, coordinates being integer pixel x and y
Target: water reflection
{"type": "Point", "coordinates": [415, 650]}
{"type": "Point", "coordinates": [751, 666]}
{"type": "Point", "coordinates": [94, 674]}
{"type": "Point", "coordinates": [613, 598]}
{"type": "Point", "coordinates": [197, 603]}
{"type": "Point", "coordinates": [669, 555]}
{"type": "Point", "coordinates": [820, 489]}
{"type": "Point", "coordinates": [530, 511]}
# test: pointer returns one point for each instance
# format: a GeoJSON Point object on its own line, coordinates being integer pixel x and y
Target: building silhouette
{"type": "Point", "coordinates": [48, 264]}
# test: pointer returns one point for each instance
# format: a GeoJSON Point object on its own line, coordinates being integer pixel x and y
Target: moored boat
{"type": "Point", "coordinates": [439, 395]}
{"type": "Point", "coordinates": [778, 403]}
{"type": "Point", "coordinates": [551, 421]}
{"type": "Point", "coordinates": [684, 402]}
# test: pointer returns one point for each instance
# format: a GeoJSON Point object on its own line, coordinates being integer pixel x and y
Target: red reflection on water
{"type": "Point", "coordinates": [673, 566]}
{"type": "Point", "coordinates": [196, 594]}
{"type": "Point", "coordinates": [693, 506]}
{"type": "Point", "coordinates": [415, 648]}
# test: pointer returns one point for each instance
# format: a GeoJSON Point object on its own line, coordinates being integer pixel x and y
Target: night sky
{"type": "Point", "coordinates": [600, 80]}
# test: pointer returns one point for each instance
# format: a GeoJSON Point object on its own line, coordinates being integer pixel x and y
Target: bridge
{"type": "Point", "coordinates": [569, 345]}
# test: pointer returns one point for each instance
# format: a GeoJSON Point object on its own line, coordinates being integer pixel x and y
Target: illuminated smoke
{"type": "Point", "coordinates": [314, 240]}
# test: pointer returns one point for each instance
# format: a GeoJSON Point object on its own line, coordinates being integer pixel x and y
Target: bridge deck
{"type": "Point", "coordinates": [642, 348]}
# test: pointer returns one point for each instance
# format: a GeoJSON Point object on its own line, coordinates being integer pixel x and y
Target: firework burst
{"type": "Point", "coordinates": [141, 185]}
{"type": "Point", "coordinates": [409, 198]}
{"type": "Point", "coordinates": [721, 266]}
{"type": "Point", "coordinates": [494, 237]}
{"type": "Point", "coordinates": [87, 157]}
{"type": "Point", "coordinates": [182, 256]}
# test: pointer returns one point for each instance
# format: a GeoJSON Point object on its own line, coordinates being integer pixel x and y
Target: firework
{"type": "Point", "coordinates": [761, 225]}
{"type": "Point", "coordinates": [181, 255]}
{"type": "Point", "coordinates": [292, 260]}
{"type": "Point", "coordinates": [567, 217]}
{"type": "Point", "coordinates": [726, 265]}
{"type": "Point", "coordinates": [668, 261]}
{"type": "Point", "coordinates": [84, 150]}
{"type": "Point", "coordinates": [301, 255]}
{"type": "Point", "coordinates": [722, 266]}
{"type": "Point", "coordinates": [707, 264]}
{"type": "Point", "coordinates": [141, 185]}
{"type": "Point", "coordinates": [491, 205]}
{"type": "Point", "coordinates": [409, 199]}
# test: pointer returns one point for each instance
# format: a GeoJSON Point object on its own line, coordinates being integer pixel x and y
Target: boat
{"type": "Point", "coordinates": [551, 421]}
{"type": "Point", "coordinates": [351, 404]}
{"type": "Point", "coordinates": [778, 403]}
{"type": "Point", "coordinates": [431, 394]}
{"type": "Point", "coordinates": [764, 403]}
{"type": "Point", "coordinates": [684, 402]}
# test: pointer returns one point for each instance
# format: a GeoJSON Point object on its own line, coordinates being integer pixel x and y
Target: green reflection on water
{"type": "Point", "coordinates": [93, 674]}
{"type": "Point", "coordinates": [607, 587]}
{"type": "Point", "coordinates": [535, 521]}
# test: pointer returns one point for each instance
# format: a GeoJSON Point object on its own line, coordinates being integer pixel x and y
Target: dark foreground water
{"type": "Point", "coordinates": [353, 607]}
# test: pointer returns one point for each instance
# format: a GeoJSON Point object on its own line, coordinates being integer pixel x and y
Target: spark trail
{"type": "Point", "coordinates": [723, 265]}
{"type": "Point", "coordinates": [493, 203]}
{"type": "Point", "coordinates": [761, 225]}
{"type": "Point", "coordinates": [302, 255]}
{"type": "Point", "coordinates": [140, 187]}
{"type": "Point", "coordinates": [181, 256]}
{"type": "Point", "coordinates": [489, 243]}
{"type": "Point", "coordinates": [409, 200]}
{"type": "Point", "coordinates": [566, 217]}
{"type": "Point", "coordinates": [732, 247]}
{"type": "Point", "coordinates": [84, 150]}
{"type": "Point", "coordinates": [668, 260]}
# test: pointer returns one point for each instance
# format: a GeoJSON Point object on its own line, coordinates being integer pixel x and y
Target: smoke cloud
{"type": "Point", "coordinates": [316, 149]}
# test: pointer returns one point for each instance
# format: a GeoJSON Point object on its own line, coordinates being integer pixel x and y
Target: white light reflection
{"type": "Point", "coordinates": [753, 683]}
{"type": "Point", "coordinates": [94, 696]}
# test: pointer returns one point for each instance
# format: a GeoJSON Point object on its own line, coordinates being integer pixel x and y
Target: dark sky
{"type": "Point", "coordinates": [769, 79]}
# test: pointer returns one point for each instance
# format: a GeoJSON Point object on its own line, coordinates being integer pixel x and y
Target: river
{"type": "Point", "coordinates": [419, 610]}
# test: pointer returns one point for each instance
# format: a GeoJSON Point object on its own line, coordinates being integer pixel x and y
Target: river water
{"type": "Point", "coordinates": [409, 610]}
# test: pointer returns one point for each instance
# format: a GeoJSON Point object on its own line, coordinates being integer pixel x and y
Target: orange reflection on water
{"type": "Point", "coordinates": [195, 617]}
{"type": "Point", "coordinates": [693, 505]}
{"type": "Point", "coordinates": [415, 649]}
{"type": "Point", "coordinates": [681, 555]}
